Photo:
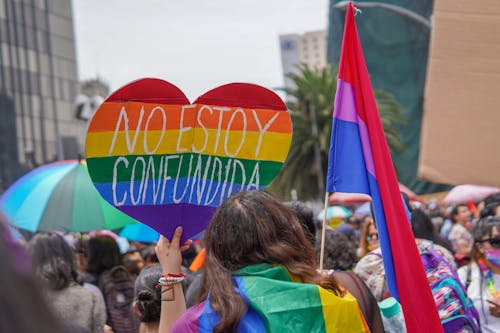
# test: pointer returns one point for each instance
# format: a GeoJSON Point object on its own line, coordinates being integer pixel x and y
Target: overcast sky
{"type": "Point", "coordinates": [194, 44]}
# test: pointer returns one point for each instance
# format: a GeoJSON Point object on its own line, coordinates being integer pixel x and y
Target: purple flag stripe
{"type": "Point", "coordinates": [345, 109]}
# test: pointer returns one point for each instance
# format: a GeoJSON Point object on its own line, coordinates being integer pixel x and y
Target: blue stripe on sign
{"type": "Point", "coordinates": [187, 190]}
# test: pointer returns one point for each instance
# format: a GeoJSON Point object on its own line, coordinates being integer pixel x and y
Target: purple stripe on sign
{"type": "Point", "coordinates": [345, 109]}
{"type": "Point", "coordinates": [193, 218]}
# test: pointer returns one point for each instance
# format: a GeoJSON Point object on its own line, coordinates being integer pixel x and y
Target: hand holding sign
{"type": "Point", "coordinates": [166, 162]}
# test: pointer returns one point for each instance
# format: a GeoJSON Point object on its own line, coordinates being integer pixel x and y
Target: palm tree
{"type": "Point", "coordinates": [311, 108]}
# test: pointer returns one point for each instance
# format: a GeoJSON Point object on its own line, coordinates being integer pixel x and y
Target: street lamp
{"type": "Point", "coordinates": [396, 9]}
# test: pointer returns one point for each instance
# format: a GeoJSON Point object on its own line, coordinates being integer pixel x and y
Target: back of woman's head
{"type": "Point", "coordinates": [253, 228]}
{"type": "Point", "coordinates": [421, 225]}
{"type": "Point", "coordinates": [103, 254]}
{"type": "Point", "coordinates": [53, 260]}
{"type": "Point", "coordinates": [147, 296]}
{"type": "Point", "coordinates": [423, 228]}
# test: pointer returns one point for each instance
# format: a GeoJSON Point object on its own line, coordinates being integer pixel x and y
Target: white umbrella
{"type": "Point", "coordinates": [464, 193]}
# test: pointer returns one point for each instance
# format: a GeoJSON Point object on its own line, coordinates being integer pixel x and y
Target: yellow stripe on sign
{"type": "Point", "coordinates": [271, 146]}
{"type": "Point", "coordinates": [341, 314]}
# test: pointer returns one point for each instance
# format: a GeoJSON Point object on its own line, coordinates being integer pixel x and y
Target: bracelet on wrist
{"type": "Point", "coordinates": [170, 279]}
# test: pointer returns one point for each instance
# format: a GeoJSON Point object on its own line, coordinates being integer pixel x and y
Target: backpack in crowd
{"type": "Point", "coordinates": [117, 286]}
{"type": "Point", "coordinates": [456, 310]}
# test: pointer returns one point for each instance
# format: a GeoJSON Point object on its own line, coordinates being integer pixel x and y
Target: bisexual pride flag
{"type": "Point", "coordinates": [359, 162]}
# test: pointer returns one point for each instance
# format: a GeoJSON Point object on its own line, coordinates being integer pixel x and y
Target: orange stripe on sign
{"type": "Point", "coordinates": [159, 116]}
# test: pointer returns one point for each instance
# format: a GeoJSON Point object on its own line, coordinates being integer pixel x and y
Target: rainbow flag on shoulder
{"type": "Point", "coordinates": [359, 162]}
{"type": "Point", "coordinates": [277, 303]}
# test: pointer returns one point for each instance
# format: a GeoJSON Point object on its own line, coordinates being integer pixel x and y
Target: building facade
{"type": "Point", "coordinates": [302, 49]}
{"type": "Point", "coordinates": [38, 85]}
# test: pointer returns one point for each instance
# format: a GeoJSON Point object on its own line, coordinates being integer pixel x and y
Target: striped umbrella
{"type": "Point", "coordinates": [60, 197]}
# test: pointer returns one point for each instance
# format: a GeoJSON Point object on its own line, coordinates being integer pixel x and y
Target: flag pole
{"type": "Point", "coordinates": [322, 251]}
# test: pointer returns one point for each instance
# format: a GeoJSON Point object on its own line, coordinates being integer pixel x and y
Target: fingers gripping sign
{"type": "Point", "coordinates": [169, 252]}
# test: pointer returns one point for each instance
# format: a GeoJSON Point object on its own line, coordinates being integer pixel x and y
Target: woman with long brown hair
{"type": "Point", "coordinates": [260, 275]}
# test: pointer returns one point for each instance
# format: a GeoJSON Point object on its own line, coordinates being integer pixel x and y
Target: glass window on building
{"type": "Point", "coordinates": [5, 54]}
{"type": "Point", "coordinates": [44, 63]}
{"type": "Point", "coordinates": [7, 79]}
{"type": "Point", "coordinates": [32, 61]}
{"type": "Point", "coordinates": [3, 30]}
{"type": "Point", "coordinates": [35, 84]}
{"type": "Point", "coordinates": [2, 9]}
{"type": "Point", "coordinates": [30, 39]}
{"type": "Point", "coordinates": [41, 38]}
{"type": "Point", "coordinates": [41, 19]}
{"type": "Point", "coordinates": [28, 15]}
{"type": "Point", "coordinates": [13, 56]}
{"type": "Point", "coordinates": [45, 88]}
{"type": "Point", "coordinates": [21, 54]}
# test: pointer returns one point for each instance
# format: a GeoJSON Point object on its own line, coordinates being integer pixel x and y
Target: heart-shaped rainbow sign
{"type": "Point", "coordinates": [166, 162]}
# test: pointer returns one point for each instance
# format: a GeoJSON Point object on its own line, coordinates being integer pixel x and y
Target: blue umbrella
{"type": "Point", "coordinates": [140, 233]}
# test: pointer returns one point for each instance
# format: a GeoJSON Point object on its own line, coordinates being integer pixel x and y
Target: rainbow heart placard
{"type": "Point", "coordinates": [166, 162]}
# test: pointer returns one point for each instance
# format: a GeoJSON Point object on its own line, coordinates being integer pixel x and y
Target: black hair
{"type": "Point", "coordinates": [305, 216]}
{"type": "Point", "coordinates": [149, 254]}
{"type": "Point", "coordinates": [103, 254]}
{"type": "Point", "coordinates": [489, 209]}
{"type": "Point", "coordinates": [454, 211]}
{"type": "Point", "coordinates": [53, 260]}
{"type": "Point", "coordinates": [147, 296]}
{"type": "Point", "coordinates": [423, 228]}
{"type": "Point", "coordinates": [492, 198]}
{"type": "Point", "coordinates": [485, 227]}
{"type": "Point", "coordinates": [340, 252]}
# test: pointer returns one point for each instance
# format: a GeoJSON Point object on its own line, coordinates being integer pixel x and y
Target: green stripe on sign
{"type": "Point", "coordinates": [179, 166]}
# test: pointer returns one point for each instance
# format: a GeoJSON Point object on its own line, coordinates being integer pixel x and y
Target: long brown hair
{"type": "Point", "coordinates": [253, 228]}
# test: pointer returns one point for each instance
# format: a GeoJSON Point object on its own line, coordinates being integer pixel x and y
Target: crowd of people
{"type": "Point", "coordinates": [256, 269]}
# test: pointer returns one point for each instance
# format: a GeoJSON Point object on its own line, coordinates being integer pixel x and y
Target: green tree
{"type": "Point", "coordinates": [310, 104]}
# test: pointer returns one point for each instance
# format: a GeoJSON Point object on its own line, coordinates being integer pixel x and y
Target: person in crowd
{"type": "Point", "coordinates": [351, 227]}
{"type": "Point", "coordinates": [490, 206]}
{"type": "Point", "coordinates": [423, 229]}
{"type": "Point", "coordinates": [54, 266]}
{"type": "Point", "coordinates": [147, 300]}
{"type": "Point", "coordinates": [133, 262]}
{"type": "Point", "coordinates": [460, 238]}
{"type": "Point", "coordinates": [23, 307]}
{"type": "Point", "coordinates": [371, 267]}
{"type": "Point", "coordinates": [339, 251]}
{"type": "Point", "coordinates": [368, 239]}
{"type": "Point", "coordinates": [482, 276]}
{"type": "Point", "coordinates": [305, 216]}
{"type": "Point", "coordinates": [149, 255]}
{"type": "Point", "coordinates": [115, 283]}
{"type": "Point", "coordinates": [256, 250]}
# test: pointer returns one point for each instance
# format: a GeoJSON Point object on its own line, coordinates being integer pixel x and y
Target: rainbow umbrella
{"type": "Point", "coordinates": [60, 197]}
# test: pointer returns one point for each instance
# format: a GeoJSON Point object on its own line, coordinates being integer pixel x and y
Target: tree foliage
{"type": "Point", "coordinates": [310, 104]}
